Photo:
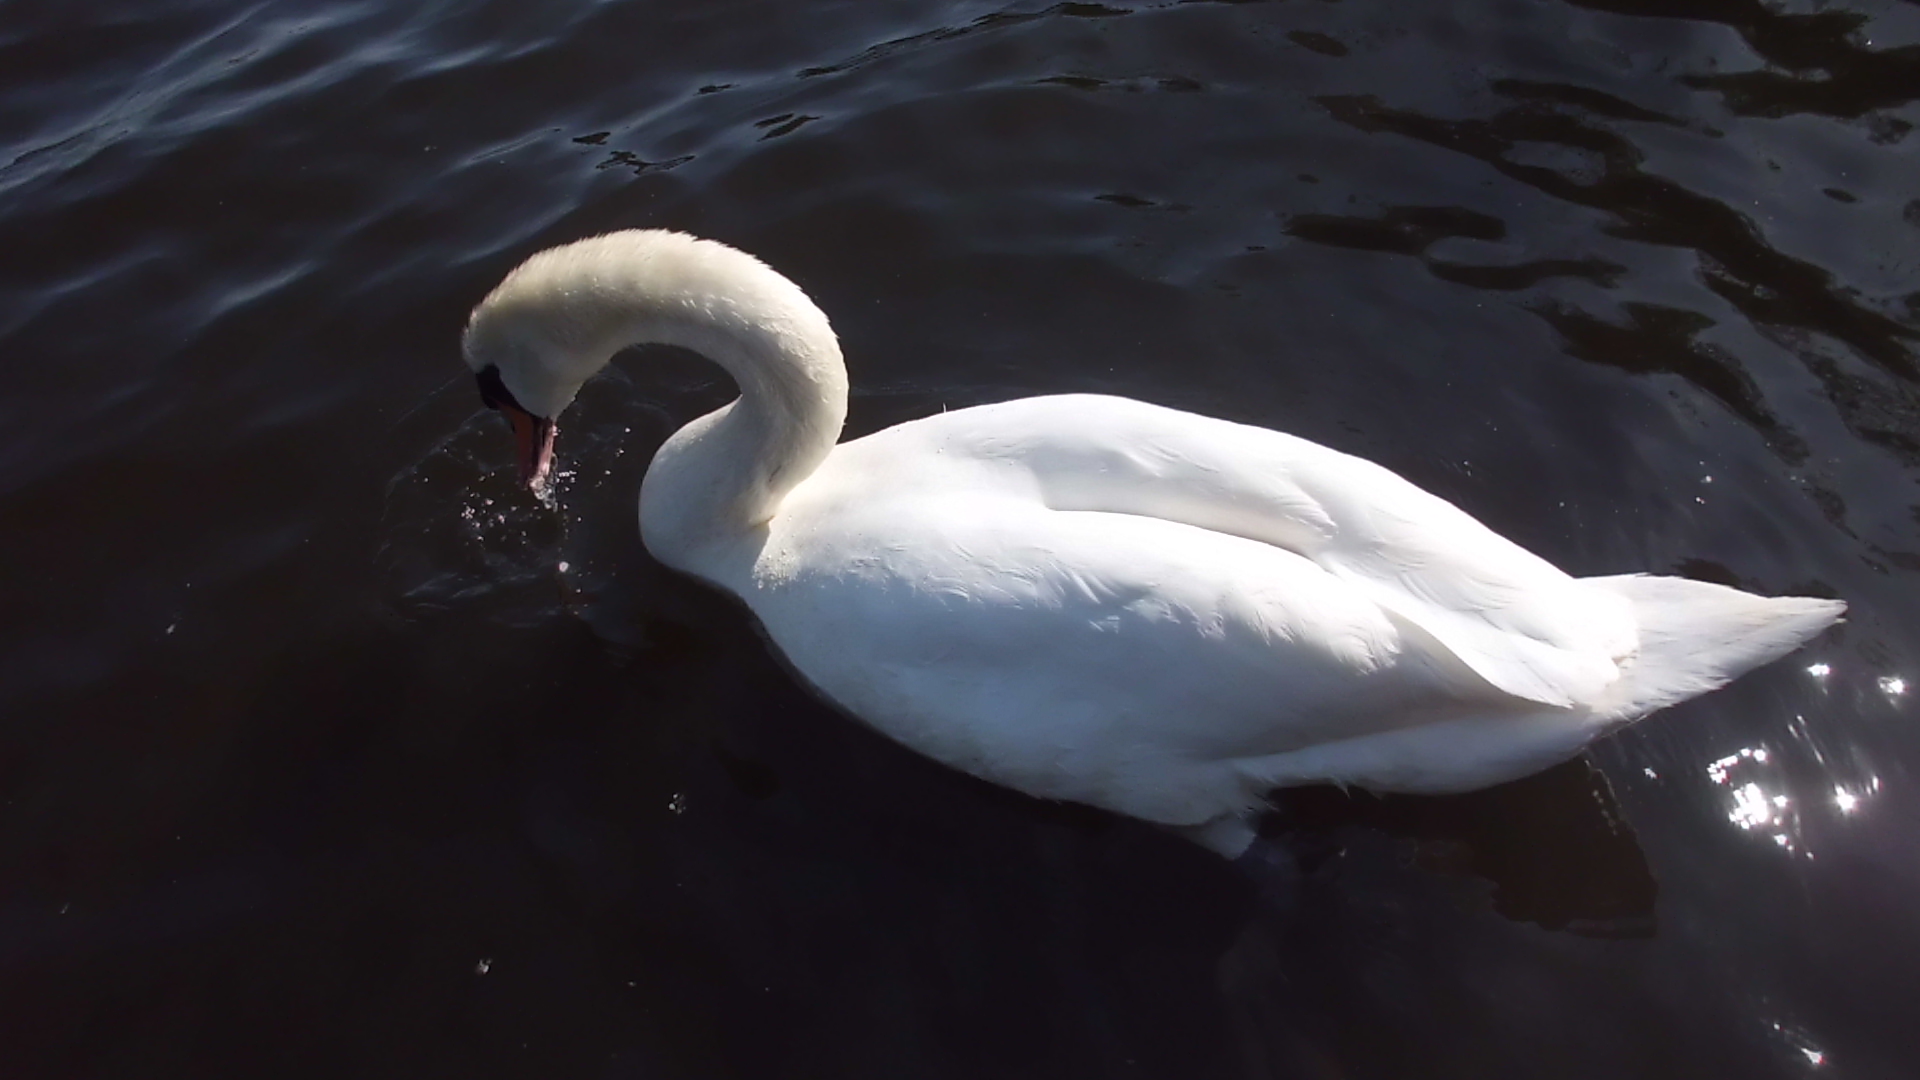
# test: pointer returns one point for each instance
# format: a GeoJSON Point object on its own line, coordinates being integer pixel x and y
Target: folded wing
{"type": "Point", "coordinates": [1515, 620]}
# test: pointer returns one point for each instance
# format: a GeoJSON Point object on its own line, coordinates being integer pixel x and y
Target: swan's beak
{"type": "Point", "coordinates": [534, 436]}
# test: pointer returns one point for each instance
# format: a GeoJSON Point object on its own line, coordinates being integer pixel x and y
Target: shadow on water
{"type": "Point", "coordinates": [1772, 289]}
{"type": "Point", "coordinates": [1829, 69]}
{"type": "Point", "coordinates": [1659, 339]}
{"type": "Point", "coordinates": [1555, 846]}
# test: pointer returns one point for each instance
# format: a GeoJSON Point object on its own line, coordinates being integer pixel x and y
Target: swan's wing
{"type": "Point", "coordinates": [1518, 622]}
{"type": "Point", "coordinates": [1102, 658]}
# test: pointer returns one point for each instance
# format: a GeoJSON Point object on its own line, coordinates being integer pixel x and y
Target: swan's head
{"type": "Point", "coordinates": [531, 344]}
{"type": "Point", "coordinates": [532, 434]}
{"type": "Point", "coordinates": [557, 319]}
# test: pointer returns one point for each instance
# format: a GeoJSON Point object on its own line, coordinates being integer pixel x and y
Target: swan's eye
{"type": "Point", "coordinates": [493, 392]}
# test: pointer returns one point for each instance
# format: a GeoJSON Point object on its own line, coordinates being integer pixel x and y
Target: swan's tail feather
{"type": "Point", "coordinates": [1696, 637]}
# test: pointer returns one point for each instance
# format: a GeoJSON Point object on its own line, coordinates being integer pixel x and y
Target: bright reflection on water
{"type": "Point", "coordinates": [1760, 802]}
{"type": "Point", "coordinates": [1759, 798]}
{"type": "Point", "coordinates": [1755, 806]}
{"type": "Point", "coordinates": [1814, 1055]}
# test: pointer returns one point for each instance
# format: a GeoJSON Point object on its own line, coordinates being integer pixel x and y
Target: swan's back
{"type": "Point", "coordinates": [1516, 620]}
{"type": "Point", "coordinates": [1095, 599]}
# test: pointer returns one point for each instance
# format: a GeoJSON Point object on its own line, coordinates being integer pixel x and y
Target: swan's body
{"type": "Point", "coordinates": [1098, 600]}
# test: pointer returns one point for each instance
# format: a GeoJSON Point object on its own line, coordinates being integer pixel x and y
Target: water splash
{"type": "Point", "coordinates": [460, 532]}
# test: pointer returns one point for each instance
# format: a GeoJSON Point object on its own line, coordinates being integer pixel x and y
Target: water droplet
{"type": "Point", "coordinates": [677, 804]}
{"type": "Point", "coordinates": [1892, 685]}
{"type": "Point", "coordinates": [1820, 670]}
{"type": "Point", "coordinates": [485, 965]}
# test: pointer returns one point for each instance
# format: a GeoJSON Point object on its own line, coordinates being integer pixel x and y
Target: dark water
{"type": "Point", "coordinates": [325, 753]}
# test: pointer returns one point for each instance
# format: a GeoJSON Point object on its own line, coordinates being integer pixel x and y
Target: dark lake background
{"type": "Point", "coordinates": [325, 752]}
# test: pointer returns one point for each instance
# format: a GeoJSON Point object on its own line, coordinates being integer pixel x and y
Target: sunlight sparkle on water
{"type": "Point", "coordinates": [1755, 808]}
{"type": "Point", "coordinates": [1798, 1042]}
{"type": "Point", "coordinates": [1820, 670]}
{"type": "Point", "coordinates": [1892, 685]}
{"type": "Point", "coordinates": [1751, 808]}
{"type": "Point", "coordinates": [1718, 770]}
{"type": "Point", "coordinates": [1846, 800]}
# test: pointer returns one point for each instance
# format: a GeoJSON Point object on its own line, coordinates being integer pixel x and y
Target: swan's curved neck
{"type": "Point", "coordinates": [559, 319]}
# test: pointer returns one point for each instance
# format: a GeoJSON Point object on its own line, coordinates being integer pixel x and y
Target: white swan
{"type": "Point", "coordinates": [1094, 599]}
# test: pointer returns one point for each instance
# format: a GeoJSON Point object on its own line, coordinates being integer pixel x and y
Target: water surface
{"type": "Point", "coordinates": [323, 751]}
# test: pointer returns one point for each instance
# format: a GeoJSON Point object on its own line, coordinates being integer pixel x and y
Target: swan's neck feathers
{"type": "Point", "coordinates": [559, 318]}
